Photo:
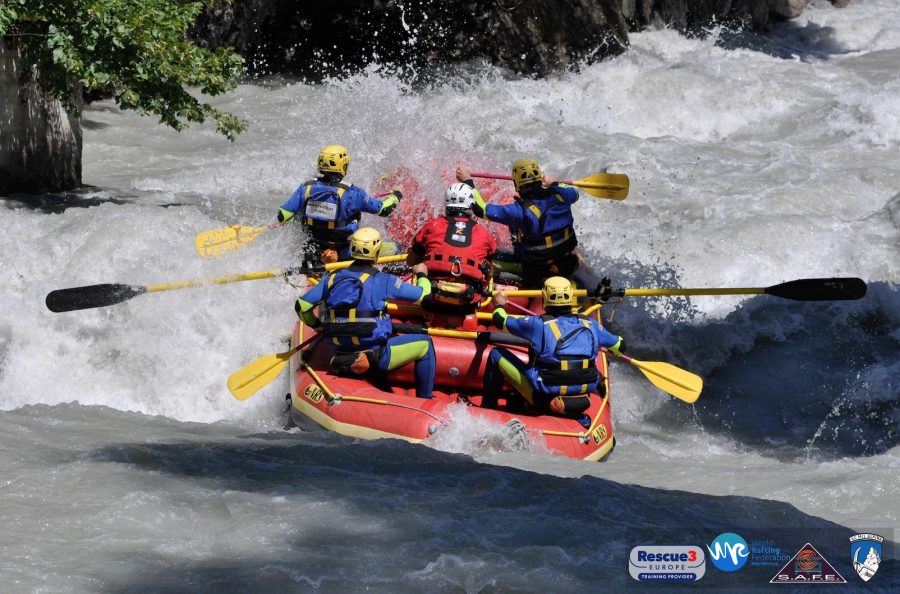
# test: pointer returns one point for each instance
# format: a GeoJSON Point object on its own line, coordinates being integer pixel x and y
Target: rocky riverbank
{"type": "Point", "coordinates": [532, 37]}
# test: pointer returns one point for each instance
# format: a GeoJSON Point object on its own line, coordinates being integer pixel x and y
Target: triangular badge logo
{"type": "Point", "coordinates": [808, 566]}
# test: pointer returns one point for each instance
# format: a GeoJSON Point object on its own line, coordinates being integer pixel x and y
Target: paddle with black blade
{"type": "Point", "coordinates": [91, 296]}
{"type": "Point", "coordinates": [612, 186]}
{"type": "Point", "coordinates": [806, 289]}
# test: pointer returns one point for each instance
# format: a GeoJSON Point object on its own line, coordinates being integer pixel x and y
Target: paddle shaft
{"type": "Point", "coordinates": [507, 177]}
{"type": "Point", "coordinates": [681, 384]}
{"type": "Point", "coordinates": [808, 289]}
{"type": "Point", "coordinates": [216, 242]}
{"type": "Point", "coordinates": [483, 336]}
{"type": "Point", "coordinates": [612, 186]}
{"type": "Point", "coordinates": [92, 296]}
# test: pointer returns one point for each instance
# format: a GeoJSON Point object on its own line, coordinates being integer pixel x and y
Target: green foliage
{"type": "Point", "coordinates": [133, 48]}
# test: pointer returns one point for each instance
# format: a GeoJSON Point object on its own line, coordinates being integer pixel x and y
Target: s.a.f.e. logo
{"type": "Point", "coordinates": [729, 551]}
{"type": "Point", "coordinates": [808, 566]}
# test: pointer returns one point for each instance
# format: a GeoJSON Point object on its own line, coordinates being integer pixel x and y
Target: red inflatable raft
{"type": "Point", "coordinates": [387, 407]}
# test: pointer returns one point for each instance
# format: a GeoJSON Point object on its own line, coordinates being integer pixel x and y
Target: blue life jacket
{"type": "Point", "coordinates": [563, 357]}
{"type": "Point", "coordinates": [325, 214]}
{"type": "Point", "coordinates": [548, 232]}
{"type": "Point", "coordinates": [352, 312]}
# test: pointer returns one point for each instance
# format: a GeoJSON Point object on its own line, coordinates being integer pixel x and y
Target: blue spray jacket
{"type": "Point", "coordinates": [352, 305]}
{"type": "Point", "coordinates": [330, 213]}
{"type": "Point", "coordinates": [542, 223]}
{"type": "Point", "coordinates": [563, 352]}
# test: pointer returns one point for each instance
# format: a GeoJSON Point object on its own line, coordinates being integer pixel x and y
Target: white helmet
{"type": "Point", "coordinates": [459, 197]}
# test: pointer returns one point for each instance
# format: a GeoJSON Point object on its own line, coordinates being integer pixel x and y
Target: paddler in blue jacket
{"type": "Point", "coordinates": [540, 220]}
{"type": "Point", "coordinates": [561, 372]}
{"type": "Point", "coordinates": [331, 208]}
{"type": "Point", "coordinates": [352, 313]}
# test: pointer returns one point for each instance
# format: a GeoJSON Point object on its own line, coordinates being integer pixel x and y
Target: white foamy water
{"type": "Point", "coordinates": [774, 159]}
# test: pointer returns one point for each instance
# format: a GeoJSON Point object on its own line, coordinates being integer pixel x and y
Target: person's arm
{"type": "Point", "coordinates": [307, 301]}
{"type": "Point", "coordinates": [508, 214]}
{"type": "Point", "coordinates": [500, 316]}
{"type": "Point", "coordinates": [422, 281]}
{"type": "Point", "coordinates": [292, 206]}
{"type": "Point", "coordinates": [401, 291]}
{"type": "Point", "coordinates": [464, 175]}
{"type": "Point", "coordinates": [507, 323]}
{"type": "Point", "coordinates": [612, 342]}
{"type": "Point", "coordinates": [373, 205]}
{"type": "Point", "coordinates": [416, 252]}
{"type": "Point", "coordinates": [491, 246]}
{"type": "Point", "coordinates": [479, 207]}
{"type": "Point", "coordinates": [568, 193]}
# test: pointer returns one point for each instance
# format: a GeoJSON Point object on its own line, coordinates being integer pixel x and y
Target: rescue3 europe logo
{"type": "Point", "coordinates": [666, 563]}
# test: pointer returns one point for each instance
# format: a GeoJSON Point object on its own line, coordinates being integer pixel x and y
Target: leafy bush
{"type": "Point", "coordinates": [134, 49]}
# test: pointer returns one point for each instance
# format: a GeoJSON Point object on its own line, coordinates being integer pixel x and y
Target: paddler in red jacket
{"type": "Point", "coordinates": [458, 252]}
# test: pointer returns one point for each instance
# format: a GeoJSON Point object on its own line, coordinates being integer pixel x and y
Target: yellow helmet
{"type": "Point", "coordinates": [334, 158]}
{"type": "Point", "coordinates": [526, 171]}
{"type": "Point", "coordinates": [558, 291]}
{"type": "Point", "coordinates": [365, 244]}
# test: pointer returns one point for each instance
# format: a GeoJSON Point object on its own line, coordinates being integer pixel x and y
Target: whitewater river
{"type": "Point", "coordinates": [126, 465]}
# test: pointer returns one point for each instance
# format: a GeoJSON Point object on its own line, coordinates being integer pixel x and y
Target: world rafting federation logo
{"type": "Point", "coordinates": [729, 551]}
{"type": "Point", "coordinates": [865, 552]}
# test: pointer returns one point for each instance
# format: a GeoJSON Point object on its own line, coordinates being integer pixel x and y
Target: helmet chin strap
{"type": "Point", "coordinates": [529, 189]}
{"type": "Point", "coordinates": [330, 177]}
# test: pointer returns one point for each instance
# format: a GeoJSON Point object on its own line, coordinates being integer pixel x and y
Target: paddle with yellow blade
{"type": "Point", "coordinates": [254, 376]}
{"type": "Point", "coordinates": [612, 186]}
{"type": "Point", "coordinates": [248, 380]}
{"type": "Point", "coordinates": [216, 242]}
{"type": "Point", "coordinates": [91, 296]}
{"type": "Point", "coordinates": [681, 384]}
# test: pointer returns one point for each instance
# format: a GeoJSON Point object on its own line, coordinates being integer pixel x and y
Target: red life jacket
{"type": "Point", "coordinates": [455, 258]}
